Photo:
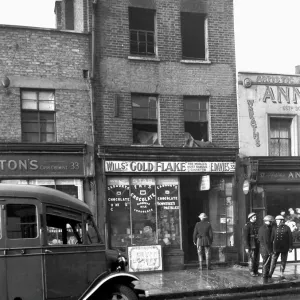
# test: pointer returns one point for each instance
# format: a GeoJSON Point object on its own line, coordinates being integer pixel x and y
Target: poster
{"type": "Point", "coordinates": [144, 258]}
{"type": "Point", "coordinates": [118, 194]}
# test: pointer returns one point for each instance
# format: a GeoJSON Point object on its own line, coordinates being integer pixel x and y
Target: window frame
{"type": "Point", "coordinates": [154, 32]}
{"type": "Point", "coordinates": [39, 112]}
{"type": "Point", "coordinates": [293, 132]}
{"type": "Point", "coordinates": [149, 120]}
{"type": "Point", "coordinates": [207, 110]}
{"type": "Point", "coordinates": [205, 38]}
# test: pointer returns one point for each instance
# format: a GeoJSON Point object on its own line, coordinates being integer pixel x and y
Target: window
{"type": "Point", "coordinates": [280, 136]}
{"type": "Point", "coordinates": [142, 32]}
{"type": "Point", "coordinates": [62, 228]}
{"type": "Point", "coordinates": [21, 221]}
{"type": "Point", "coordinates": [38, 116]}
{"type": "Point", "coordinates": [196, 117]}
{"type": "Point", "coordinates": [193, 33]}
{"type": "Point", "coordinates": [144, 119]}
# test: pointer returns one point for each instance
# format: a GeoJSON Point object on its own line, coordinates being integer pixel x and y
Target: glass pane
{"type": "Point", "coordinates": [47, 127]}
{"type": "Point", "coordinates": [143, 211]}
{"type": "Point", "coordinates": [150, 48]}
{"type": "Point", "coordinates": [142, 47]}
{"type": "Point", "coordinates": [192, 115]}
{"type": "Point", "coordinates": [133, 47]}
{"type": "Point", "coordinates": [29, 104]}
{"type": "Point", "coordinates": [168, 223]}
{"type": "Point", "coordinates": [191, 104]}
{"type": "Point", "coordinates": [119, 211]}
{"type": "Point", "coordinates": [284, 147]}
{"type": "Point", "coordinates": [133, 35]}
{"type": "Point", "coordinates": [30, 116]}
{"type": "Point", "coordinates": [150, 38]}
{"type": "Point", "coordinates": [140, 113]}
{"type": "Point", "coordinates": [47, 117]}
{"type": "Point", "coordinates": [142, 36]}
{"type": "Point", "coordinates": [30, 127]}
{"type": "Point", "coordinates": [68, 189]}
{"type": "Point", "coordinates": [21, 221]}
{"type": "Point", "coordinates": [140, 101]}
{"type": "Point", "coordinates": [274, 147]}
{"type": "Point", "coordinates": [46, 96]}
{"type": "Point", "coordinates": [47, 137]}
{"type": "Point", "coordinates": [203, 116]}
{"type": "Point", "coordinates": [30, 137]}
{"type": "Point", "coordinates": [29, 95]}
{"type": "Point", "coordinates": [46, 105]}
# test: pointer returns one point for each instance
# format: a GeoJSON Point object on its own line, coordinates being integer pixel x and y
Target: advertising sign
{"type": "Point", "coordinates": [37, 165]}
{"type": "Point", "coordinates": [118, 194]}
{"type": "Point", "coordinates": [169, 166]}
{"type": "Point", "coordinates": [144, 258]}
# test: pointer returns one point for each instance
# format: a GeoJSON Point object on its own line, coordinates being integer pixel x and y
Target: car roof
{"type": "Point", "coordinates": [44, 195]}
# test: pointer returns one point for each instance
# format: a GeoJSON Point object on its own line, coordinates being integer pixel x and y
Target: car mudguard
{"type": "Point", "coordinates": [104, 278]}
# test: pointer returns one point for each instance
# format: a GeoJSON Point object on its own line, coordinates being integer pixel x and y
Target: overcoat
{"type": "Point", "coordinates": [203, 232]}
{"type": "Point", "coordinates": [251, 235]}
{"type": "Point", "coordinates": [282, 238]}
{"type": "Point", "coordinates": [264, 236]}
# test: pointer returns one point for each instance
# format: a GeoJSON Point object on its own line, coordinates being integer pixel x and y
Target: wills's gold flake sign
{"type": "Point", "coordinates": [168, 166]}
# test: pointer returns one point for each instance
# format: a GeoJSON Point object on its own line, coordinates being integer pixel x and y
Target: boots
{"type": "Point", "coordinates": [282, 268]}
{"type": "Point", "coordinates": [200, 262]}
{"type": "Point", "coordinates": [208, 265]}
{"type": "Point", "coordinates": [273, 266]}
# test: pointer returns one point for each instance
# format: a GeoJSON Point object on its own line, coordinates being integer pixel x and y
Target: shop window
{"type": "Point", "coordinates": [62, 229]}
{"type": "Point", "coordinates": [221, 211]}
{"type": "Point", "coordinates": [142, 31]}
{"type": "Point", "coordinates": [196, 118]}
{"type": "Point", "coordinates": [38, 116]}
{"type": "Point", "coordinates": [0, 223]}
{"type": "Point", "coordinates": [143, 211]}
{"type": "Point", "coordinates": [21, 221]}
{"type": "Point", "coordinates": [193, 34]}
{"type": "Point", "coordinates": [144, 119]}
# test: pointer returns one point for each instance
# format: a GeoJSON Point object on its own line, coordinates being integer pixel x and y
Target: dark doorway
{"type": "Point", "coordinates": [193, 202]}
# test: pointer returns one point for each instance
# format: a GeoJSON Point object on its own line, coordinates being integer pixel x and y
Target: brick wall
{"type": "Point", "coordinates": [46, 59]}
{"type": "Point", "coordinates": [167, 77]}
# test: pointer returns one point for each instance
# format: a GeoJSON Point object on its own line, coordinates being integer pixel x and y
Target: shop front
{"type": "Point", "coordinates": [277, 191]}
{"type": "Point", "coordinates": [65, 167]}
{"type": "Point", "coordinates": [156, 203]}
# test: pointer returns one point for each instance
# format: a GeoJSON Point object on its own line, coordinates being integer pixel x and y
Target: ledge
{"type": "Point", "coordinates": [195, 61]}
{"type": "Point", "coordinates": [143, 58]}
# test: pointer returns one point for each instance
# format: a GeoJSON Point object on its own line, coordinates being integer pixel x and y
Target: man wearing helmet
{"type": "Point", "coordinates": [251, 243]}
{"type": "Point", "coordinates": [264, 236]}
{"type": "Point", "coordinates": [282, 240]}
{"type": "Point", "coordinates": [203, 238]}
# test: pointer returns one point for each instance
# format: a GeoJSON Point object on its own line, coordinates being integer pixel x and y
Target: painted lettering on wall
{"type": "Point", "coordinates": [283, 94]}
{"type": "Point", "coordinates": [275, 79]}
{"type": "Point", "coordinates": [253, 123]}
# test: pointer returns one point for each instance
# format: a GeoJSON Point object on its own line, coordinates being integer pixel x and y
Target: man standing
{"type": "Point", "coordinates": [203, 238]}
{"type": "Point", "coordinates": [251, 243]}
{"type": "Point", "coordinates": [264, 236]}
{"type": "Point", "coordinates": [282, 240]}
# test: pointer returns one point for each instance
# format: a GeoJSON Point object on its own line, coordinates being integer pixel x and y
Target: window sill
{"type": "Point", "coordinates": [145, 58]}
{"type": "Point", "coordinates": [195, 61]}
{"type": "Point", "coordinates": [147, 145]}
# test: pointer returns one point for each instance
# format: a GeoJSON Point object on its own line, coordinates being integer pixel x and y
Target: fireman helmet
{"type": "Point", "coordinates": [279, 217]}
{"type": "Point", "coordinates": [251, 215]}
{"type": "Point", "coordinates": [269, 218]}
{"type": "Point", "coordinates": [203, 216]}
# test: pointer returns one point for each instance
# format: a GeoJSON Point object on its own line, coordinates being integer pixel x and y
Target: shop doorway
{"type": "Point", "coordinates": [193, 202]}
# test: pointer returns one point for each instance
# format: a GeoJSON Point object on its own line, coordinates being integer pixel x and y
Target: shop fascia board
{"type": "Point", "coordinates": [277, 162]}
{"type": "Point", "coordinates": [41, 147]}
{"type": "Point", "coordinates": [198, 154]}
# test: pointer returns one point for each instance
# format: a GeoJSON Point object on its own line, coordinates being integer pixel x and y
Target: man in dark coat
{"type": "Point", "coordinates": [264, 236]}
{"type": "Point", "coordinates": [282, 240]}
{"type": "Point", "coordinates": [203, 238]}
{"type": "Point", "coordinates": [251, 243]}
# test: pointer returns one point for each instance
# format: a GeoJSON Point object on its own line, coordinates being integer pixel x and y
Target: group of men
{"type": "Point", "coordinates": [270, 240]}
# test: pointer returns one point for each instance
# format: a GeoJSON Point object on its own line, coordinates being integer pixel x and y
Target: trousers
{"type": "Point", "coordinates": [253, 260]}
{"type": "Point", "coordinates": [275, 256]}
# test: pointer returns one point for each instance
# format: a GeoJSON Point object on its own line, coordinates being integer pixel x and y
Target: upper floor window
{"type": "Point", "coordinates": [144, 119]}
{"type": "Point", "coordinates": [38, 116]}
{"type": "Point", "coordinates": [193, 34]}
{"type": "Point", "coordinates": [196, 117]}
{"type": "Point", "coordinates": [280, 143]}
{"type": "Point", "coordinates": [142, 31]}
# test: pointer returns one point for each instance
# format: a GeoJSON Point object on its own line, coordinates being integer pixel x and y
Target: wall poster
{"type": "Point", "coordinates": [144, 258]}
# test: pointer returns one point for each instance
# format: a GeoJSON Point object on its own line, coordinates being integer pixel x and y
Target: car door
{"type": "Point", "coordinates": [3, 283]}
{"type": "Point", "coordinates": [22, 248]}
{"type": "Point", "coordinates": [65, 262]}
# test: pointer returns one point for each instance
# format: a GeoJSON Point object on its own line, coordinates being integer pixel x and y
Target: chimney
{"type": "Point", "coordinates": [57, 11]}
{"type": "Point", "coordinates": [297, 70]}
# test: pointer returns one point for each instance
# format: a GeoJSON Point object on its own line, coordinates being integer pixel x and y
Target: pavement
{"type": "Point", "coordinates": [228, 282]}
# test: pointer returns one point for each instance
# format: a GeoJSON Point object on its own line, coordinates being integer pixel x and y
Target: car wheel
{"type": "Point", "coordinates": [121, 292]}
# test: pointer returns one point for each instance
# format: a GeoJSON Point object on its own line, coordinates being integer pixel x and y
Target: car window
{"type": "Point", "coordinates": [21, 221]}
{"type": "Point", "coordinates": [92, 232]}
{"type": "Point", "coordinates": [64, 231]}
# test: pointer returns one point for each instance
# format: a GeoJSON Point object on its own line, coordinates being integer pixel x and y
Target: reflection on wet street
{"type": "Point", "coordinates": [207, 280]}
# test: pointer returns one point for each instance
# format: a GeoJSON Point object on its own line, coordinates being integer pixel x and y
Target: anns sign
{"type": "Point", "coordinates": [168, 166]}
{"type": "Point", "coordinates": [22, 165]}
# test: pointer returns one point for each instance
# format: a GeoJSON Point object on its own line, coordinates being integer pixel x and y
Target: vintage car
{"type": "Point", "coordinates": [50, 248]}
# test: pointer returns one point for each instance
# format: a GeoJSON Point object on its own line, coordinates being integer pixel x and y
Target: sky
{"type": "Point", "coordinates": [266, 31]}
